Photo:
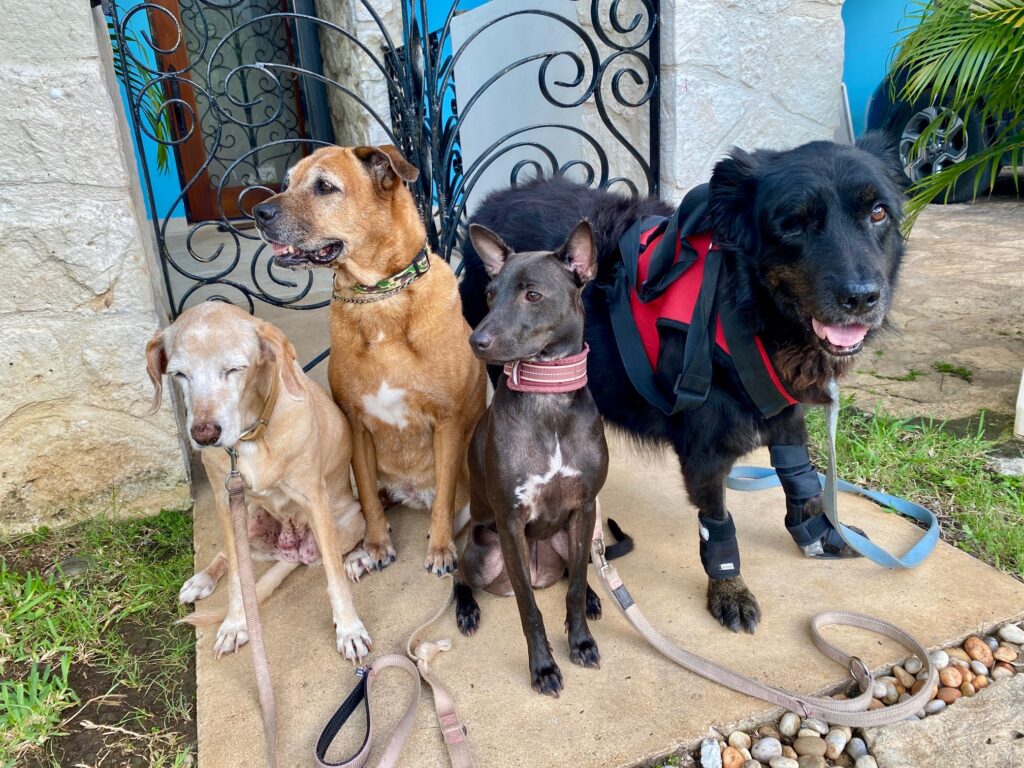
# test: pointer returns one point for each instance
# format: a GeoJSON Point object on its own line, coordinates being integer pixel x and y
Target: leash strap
{"type": "Point", "coordinates": [760, 478]}
{"type": "Point", "coordinates": [452, 730]}
{"type": "Point", "coordinates": [852, 712]}
{"type": "Point", "coordinates": [235, 485]}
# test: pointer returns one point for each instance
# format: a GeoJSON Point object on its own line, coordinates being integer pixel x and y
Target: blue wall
{"type": "Point", "coordinates": [873, 27]}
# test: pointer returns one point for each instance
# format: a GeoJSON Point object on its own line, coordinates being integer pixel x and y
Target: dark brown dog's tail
{"type": "Point", "coordinates": [623, 542]}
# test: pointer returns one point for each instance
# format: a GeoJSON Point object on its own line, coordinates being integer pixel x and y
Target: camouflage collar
{"type": "Point", "coordinates": [389, 286]}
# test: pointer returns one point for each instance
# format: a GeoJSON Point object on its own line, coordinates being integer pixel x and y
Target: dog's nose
{"type": "Point", "coordinates": [264, 213]}
{"type": "Point", "coordinates": [206, 433]}
{"type": "Point", "coordinates": [481, 340]}
{"type": "Point", "coordinates": [858, 298]}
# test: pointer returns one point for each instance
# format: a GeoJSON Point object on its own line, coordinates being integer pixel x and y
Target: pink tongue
{"type": "Point", "coordinates": [840, 335]}
{"type": "Point", "coordinates": [278, 248]}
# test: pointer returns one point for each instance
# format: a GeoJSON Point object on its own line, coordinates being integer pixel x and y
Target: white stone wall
{"type": "Point", "coordinates": [77, 294]}
{"type": "Point", "coordinates": [747, 73]}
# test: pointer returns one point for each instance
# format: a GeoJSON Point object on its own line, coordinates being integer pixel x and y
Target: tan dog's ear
{"type": "Point", "coordinates": [156, 367]}
{"type": "Point", "coordinates": [275, 346]}
{"type": "Point", "coordinates": [386, 165]}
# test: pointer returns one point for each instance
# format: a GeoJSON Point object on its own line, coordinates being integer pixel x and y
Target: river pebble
{"type": "Point", "coordinates": [978, 651]}
{"type": "Point", "coordinates": [978, 668]}
{"type": "Point", "coordinates": [783, 762]}
{"type": "Point", "coordinates": [835, 743]}
{"type": "Point", "coordinates": [865, 762]}
{"type": "Point", "coordinates": [739, 740]}
{"type": "Point", "coordinates": [913, 665]}
{"type": "Point", "coordinates": [809, 745]}
{"type": "Point", "coordinates": [789, 724]}
{"type": "Point", "coordinates": [934, 706]}
{"type": "Point", "coordinates": [856, 748]}
{"type": "Point", "coordinates": [710, 754]}
{"type": "Point", "coordinates": [939, 659]}
{"type": "Point", "coordinates": [1005, 653]}
{"type": "Point", "coordinates": [1012, 633]}
{"type": "Point", "coordinates": [765, 749]}
{"type": "Point", "coordinates": [732, 758]}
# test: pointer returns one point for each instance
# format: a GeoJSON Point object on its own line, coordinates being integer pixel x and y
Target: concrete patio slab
{"type": "Point", "coordinates": [638, 706]}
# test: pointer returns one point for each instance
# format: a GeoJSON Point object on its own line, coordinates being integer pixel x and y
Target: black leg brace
{"type": "Point", "coordinates": [810, 528]}
{"type": "Point", "coordinates": [719, 552]}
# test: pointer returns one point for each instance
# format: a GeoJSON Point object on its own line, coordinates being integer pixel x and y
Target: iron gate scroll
{"type": "Point", "coordinates": [225, 94]}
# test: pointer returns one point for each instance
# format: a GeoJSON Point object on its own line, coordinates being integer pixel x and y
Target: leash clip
{"type": "Point", "coordinates": [860, 672]}
{"type": "Point", "coordinates": [363, 671]}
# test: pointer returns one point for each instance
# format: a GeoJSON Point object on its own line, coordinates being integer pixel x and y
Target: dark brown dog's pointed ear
{"type": "Point", "coordinates": [579, 252]}
{"type": "Point", "coordinates": [731, 199]}
{"type": "Point", "coordinates": [156, 367]}
{"type": "Point", "coordinates": [386, 165]}
{"type": "Point", "coordinates": [490, 248]}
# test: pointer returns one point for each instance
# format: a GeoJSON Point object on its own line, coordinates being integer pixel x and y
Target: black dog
{"type": "Point", "coordinates": [807, 250]}
{"type": "Point", "coordinates": [538, 456]}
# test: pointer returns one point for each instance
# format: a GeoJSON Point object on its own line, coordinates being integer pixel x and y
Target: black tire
{"type": "Point", "coordinates": [903, 122]}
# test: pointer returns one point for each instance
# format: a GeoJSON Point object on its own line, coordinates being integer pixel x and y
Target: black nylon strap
{"type": "Point", "coordinates": [719, 550]}
{"type": "Point", "coordinates": [341, 716]}
{"type": "Point", "coordinates": [797, 476]}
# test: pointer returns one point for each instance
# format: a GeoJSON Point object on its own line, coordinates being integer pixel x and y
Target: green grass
{"type": "Point", "coordinates": [113, 622]}
{"type": "Point", "coordinates": [981, 511]}
{"type": "Point", "coordinates": [958, 371]}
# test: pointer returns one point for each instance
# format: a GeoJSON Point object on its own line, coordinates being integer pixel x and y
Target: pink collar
{"type": "Point", "coordinates": [550, 376]}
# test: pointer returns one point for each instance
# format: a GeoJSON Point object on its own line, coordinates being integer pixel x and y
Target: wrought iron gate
{"type": "Point", "coordinates": [226, 93]}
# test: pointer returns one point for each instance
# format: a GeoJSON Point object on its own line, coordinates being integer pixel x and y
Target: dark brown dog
{"type": "Point", "coordinates": [401, 367]}
{"type": "Point", "coordinates": [537, 460]}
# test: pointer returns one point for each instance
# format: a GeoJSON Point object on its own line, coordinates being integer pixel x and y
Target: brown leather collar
{"type": "Point", "coordinates": [257, 427]}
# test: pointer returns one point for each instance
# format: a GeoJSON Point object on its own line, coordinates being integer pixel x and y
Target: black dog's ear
{"type": "Point", "coordinates": [490, 248]}
{"type": "Point", "coordinates": [884, 147]}
{"type": "Point", "coordinates": [579, 252]}
{"type": "Point", "coordinates": [731, 200]}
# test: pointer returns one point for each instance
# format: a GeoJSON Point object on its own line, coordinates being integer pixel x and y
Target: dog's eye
{"type": "Point", "coordinates": [179, 376]}
{"type": "Point", "coordinates": [229, 371]}
{"type": "Point", "coordinates": [533, 296]}
{"type": "Point", "coordinates": [324, 187]}
{"type": "Point", "coordinates": [879, 214]}
{"type": "Point", "coordinates": [490, 298]}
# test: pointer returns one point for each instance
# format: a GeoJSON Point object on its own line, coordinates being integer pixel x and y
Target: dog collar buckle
{"type": "Point", "coordinates": [514, 373]}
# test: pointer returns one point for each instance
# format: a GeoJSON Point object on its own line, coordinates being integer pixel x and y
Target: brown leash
{"type": "Point", "coordinates": [851, 712]}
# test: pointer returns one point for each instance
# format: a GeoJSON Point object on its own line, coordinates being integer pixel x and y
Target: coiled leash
{"type": "Point", "coordinates": [819, 535]}
{"type": "Point", "coordinates": [452, 730]}
{"type": "Point", "coordinates": [852, 712]}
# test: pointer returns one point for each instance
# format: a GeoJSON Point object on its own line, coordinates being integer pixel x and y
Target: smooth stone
{"type": "Point", "coordinates": [789, 724]}
{"type": "Point", "coordinates": [732, 758]}
{"type": "Point", "coordinates": [920, 684]}
{"type": "Point", "coordinates": [739, 740]}
{"type": "Point", "coordinates": [788, 751]}
{"type": "Point", "coordinates": [951, 677]}
{"type": "Point", "coordinates": [865, 762]}
{"type": "Point", "coordinates": [913, 665]}
{"type": "Point", "coordinates": [805, 732]}
{"type": "Point", "coordinates": [710, 754]}
{"type": "Point", "coordinates": [746, 754]}
{"type": "Point", "coordinates": [766, 748]}
{"type": "Point", "coordinates": [1002, 671]}
{"type": "Point", "coordinates": [903, 697]}
{"type": "Point", "coordinates": [957, 653]}
{"type": "Point", "coordinates": [948, 695]}
{"type": "Point", "coordinates": [767, 732]}
{"type": "Point", "coordinates": [752, 764]}
{"type": "Point", "coordinates": [843, 761]}
{"type": "Point", "coordinates": [811, 761]}
{"type": "Point", "coordinates": [978, 668]}
{"type": "Point", "coordinates": [835, 743]}
{"type": "Point", "coordinates": [960, 663]}
{"type": "Point", "coordinates": [856, 748]}
{"type": "Point", "coordinates": [810, 745]}
{"type": "Point", "coordinates": [1011, 633]}
{"type": "Point", "coordinates": [905, 678]}
{"type": "Point", "coordinates": [978, 651]}
{"type": "Point", "coordinates": [979, 682]}
{"type": "Point", "coordinates": [845, 729]}
{"type": "Point", "coordinates": [892, 695]}
{"type": "Point", "coordinates": [1005, 653]}
{"type": "Point", "coordinates": [939, 659]}
{"type": "Point", "coordinates": [991, 642]}
{"type": "Point", "coordinates": [876, 704]}
{"type": "Point", "coordinates": [933, 706]}
{"type": "Point", "coordinates": [814, 724]}
{"type": "Point", "coordinates": [878, 690]}
{"type": "Point", "coordinates": [783, 762]}
{"type": "Point", "coordinates": [967, 690]}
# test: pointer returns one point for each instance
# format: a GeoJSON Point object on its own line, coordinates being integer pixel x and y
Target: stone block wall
{"type": "Point", "coordinates": [78, 301]}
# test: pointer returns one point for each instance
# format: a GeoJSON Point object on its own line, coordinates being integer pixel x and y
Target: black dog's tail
{"type": "Point", "coordinates": [623, 542]}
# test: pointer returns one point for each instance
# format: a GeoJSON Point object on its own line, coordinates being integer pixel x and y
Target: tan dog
{"type": "Point", "coordinates": [235, 371]}
{"type": "Point", "coordinates": [401, 367]}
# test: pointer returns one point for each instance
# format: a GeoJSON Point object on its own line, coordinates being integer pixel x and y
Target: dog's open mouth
{"type": "Point", "coordinates": [840, 340]}
{"type": "Point", "coordinates": [291, 257]}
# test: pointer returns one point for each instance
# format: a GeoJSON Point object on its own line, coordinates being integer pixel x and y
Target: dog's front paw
{"type": "Point", "coordinates": [382, 552]}
{"type": "Point", "coordinates": [733, 605]}
{"type": "Point", "coordinates": [593, 604]}
{"type": "Point", "coordinates": [467, 610]}
{"type": "Point", "coordinates": [357, 563]}
{"type": "Point", "coordinates": [199, 586]}
{"type": "Point", "coordinates": [353, 641]}
{"type": "Point", "coordinates": [231, 636]}
{"type": "Point", "coordinates": [441, 560]}
{"type": "Point", "coordinates": [584, 653]}
{"type": "Point", "coordinates": [546, 677]}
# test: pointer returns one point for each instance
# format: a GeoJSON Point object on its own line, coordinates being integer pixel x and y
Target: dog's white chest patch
{"type": "Point", "coordinates": [529, 491]}
{"type": "Point", "coordinates": [388, 405]}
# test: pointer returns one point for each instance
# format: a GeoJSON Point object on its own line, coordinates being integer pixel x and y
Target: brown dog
{"type": "Point", "coordinates": [243, 389]}
{"type": "Point", "coordinates": [401, 367]}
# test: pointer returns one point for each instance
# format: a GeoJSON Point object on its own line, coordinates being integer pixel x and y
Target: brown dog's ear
{"type": "Point", "coordinates": [386, 165]}
{"type": "Point", "coordinates": [490, 248]}
{"type": "Point", "coordinates": [275, 346]}
{"type": "Point", "coordinates": [156, 367]}
{"type": "Point", "coordinates": [579, 252]}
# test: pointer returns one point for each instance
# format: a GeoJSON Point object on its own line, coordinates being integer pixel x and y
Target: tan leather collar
{"type": "Point", "coordinates": [256, 429]}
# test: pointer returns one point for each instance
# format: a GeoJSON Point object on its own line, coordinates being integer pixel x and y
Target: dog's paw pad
{"type": "Point", "coordinates": [733, 605]}
{"type": "Point", "coordinates": [357, 563]}
{"type": "Point", "coordinates": [381, 553]}
{"type": "Point", "coordinates": [441, 560]}
{"type": "Point", "coordinates": [468, 618]}
{"type": "Point", "coordinates": [354, 642]}
{"type": "Point", "coordinates": [593, 605]}
{"type": "Point", "coordinates": [585, 654]}
{"type": "Point", "coordinates": [231, 636]}
{"type": "Point", "coordinates": [199, 586]}
{"type": "Point", "coordinates": [547, 679]}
